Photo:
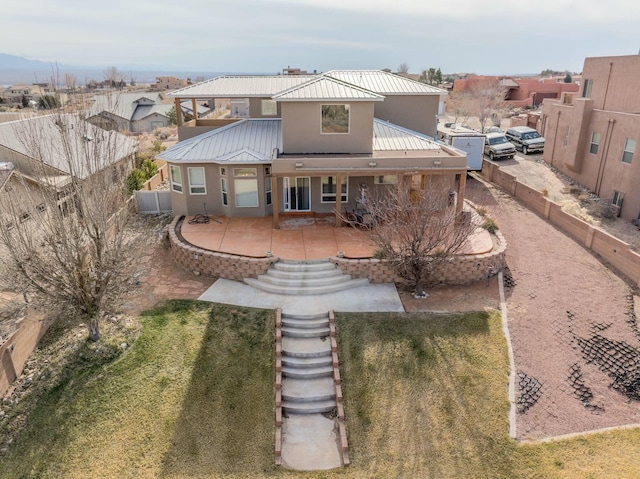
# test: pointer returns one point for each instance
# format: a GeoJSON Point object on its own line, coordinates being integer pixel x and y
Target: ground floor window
{"type": "Point", "coordinates": [197, 181]}
{"type": "Point", "coordinates": [329, 188]}
{"type": "Point", "coordinates": [223, 188]}
{"type": "Point", "coordinates": [176, 178]}
{"type": "Point", "coordinates": [267, 190]}
{"type": "Point", "coordinates": [246, 191]}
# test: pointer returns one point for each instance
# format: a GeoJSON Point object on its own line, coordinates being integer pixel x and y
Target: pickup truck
{"type": "Point", "coordinates": [496, 146]}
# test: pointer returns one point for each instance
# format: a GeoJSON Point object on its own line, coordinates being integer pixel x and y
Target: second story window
{"type": "Point", "coordinates": [629, 150]}
{"type": "Point", "coordinates": [335, 118]}
{"type": "Point", "coordinates": [586, 90]}
{"type": "Point", "coordinates": [269, 108]}
{"type": "Point", "coordinates": [566, 136]}
{"type": "Point", "coordinates": [595, 143]}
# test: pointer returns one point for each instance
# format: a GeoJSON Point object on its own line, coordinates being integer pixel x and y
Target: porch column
{"type": "Point", "coordinates": [339, 200]}
{"type": "Point", "coordinates": [462, 181]}
{"type": "Point", "coordinates": [275, 191]}
{"type": "Point", "coordinates": [178, 112]}
{"type": "Point", "coordinates": [194, 108]}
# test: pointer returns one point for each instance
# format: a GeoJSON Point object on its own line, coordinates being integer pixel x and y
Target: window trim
{"type": "Point", "coordinates": [630, 153]}
{"type": "Point", "coordinates": [594, 143]}
{"type": "Point", "coordinates": [204, 181]}
{"type": "Point", "coordinates": [175, 185]}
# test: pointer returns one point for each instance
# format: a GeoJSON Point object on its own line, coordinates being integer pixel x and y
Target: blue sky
{"type": "Point", "coordinates": [485, 37]}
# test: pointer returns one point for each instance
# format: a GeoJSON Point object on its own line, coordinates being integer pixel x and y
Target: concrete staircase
{"type": "Point", "coordinates": [307, 370]}
{"type": "Point", "coordinates": [309, 410]}
{"type": "Point", "coordinates": [305, 277]}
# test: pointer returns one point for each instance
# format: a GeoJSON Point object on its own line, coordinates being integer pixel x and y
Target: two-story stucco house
{"type": "Point", "coordinates": [308, 143]}
{"type": "Point", "coordinates": [592, 135]}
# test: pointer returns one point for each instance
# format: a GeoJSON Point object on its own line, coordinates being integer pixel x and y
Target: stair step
{"type": "Point", "coordinates": [312, 362]}
{"type": "Point", "coordinates": [314, 407]}
{"type": "Point", "coordinates": [305, 316]}
{"type": "Point", "coordinates": [305, 347]}
{"type": "Point", "coordinates": [306, 290]}
{"type": "Point", "coordinates": [307, 266]}
{"type": "Point", "coordinates": [307, 373]}
{"type": "Point", "coordinates": [308, 390]}
{"type": "Point", "coordinates": [321, 273]}
{"type": "Point", "coordinates": [305, 323]}
{"type": "Point", "coordinates": [304, 282]}
{"type": "Point", "coordinates": [305, 332]}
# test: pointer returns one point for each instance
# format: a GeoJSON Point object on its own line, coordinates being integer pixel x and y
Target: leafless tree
{"type": "Point", "coordinates": [62, 223]}
{"type": "Point", "coordinates": [416, 230]}
{"type": "Point", "coordinates": [489, 96]}
{"type": "Point", "coordinates": [403, 67]}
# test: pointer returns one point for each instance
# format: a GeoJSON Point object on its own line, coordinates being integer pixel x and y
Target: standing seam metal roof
{"type": "Point", "coordinates": [385, 83]}
{"type": "Point", "coordinates": [242, 86]}
{"type": "Point", "coordinates": [390, 137]}
{"type": "Point", "coordinates": [327, 88]}
{"type": "Point", "coordinates": [254, 137]}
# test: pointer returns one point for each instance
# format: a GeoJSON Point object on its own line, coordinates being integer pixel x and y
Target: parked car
{"type": "Point", "coordinates": [492, 129]}
{"type": "Point", "coordinates": [525, 139]}
{"type": "Point", "coordinates": [496, 146]}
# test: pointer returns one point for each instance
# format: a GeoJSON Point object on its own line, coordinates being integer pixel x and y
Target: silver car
{"type": "Point", "coordinates": [496, 146]}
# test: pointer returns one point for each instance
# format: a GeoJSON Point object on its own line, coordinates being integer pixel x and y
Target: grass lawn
{"type": "Point", "coordinates": [425, 397]}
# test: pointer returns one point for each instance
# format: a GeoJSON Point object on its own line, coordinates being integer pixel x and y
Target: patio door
{"type": "Point", "coordinates": [297, 193]}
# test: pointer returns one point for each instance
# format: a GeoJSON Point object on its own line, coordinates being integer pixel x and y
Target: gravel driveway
{"type": "Point", "coordinates": [571, 323]}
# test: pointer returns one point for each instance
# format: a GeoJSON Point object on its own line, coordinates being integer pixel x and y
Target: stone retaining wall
{"type": "Point", "coordinates": [464, 269]}
{"type": "Point", "coordinates": [212, 263]}
{"type": "Point", "coordinates": [458, 270]}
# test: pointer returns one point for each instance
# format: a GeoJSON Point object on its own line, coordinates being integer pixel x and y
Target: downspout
{"type": "Point", "coordinates": [605, 154]}
{"type": "Point", "coordinates": [555, 138]}
{"type": "Point", "coordinates": [606, 90]}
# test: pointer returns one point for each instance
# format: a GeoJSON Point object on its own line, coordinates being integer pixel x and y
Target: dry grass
{"type": "Point", "coordinates": [193, 397]}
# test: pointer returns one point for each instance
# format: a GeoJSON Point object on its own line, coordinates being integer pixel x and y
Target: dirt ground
{"type": "Point", "coordinates": [572, 325]}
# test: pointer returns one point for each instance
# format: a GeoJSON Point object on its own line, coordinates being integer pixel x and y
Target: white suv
{"type": "Point", "coordinates": [525, 139]}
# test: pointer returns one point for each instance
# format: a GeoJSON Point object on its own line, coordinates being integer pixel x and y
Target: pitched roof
{"type": "Point", "coordinates": [327, 88]}
{"type": "Point", "coordinates": [254, 141]}
{"type": "Point", "coordinates": [124, 105]}
{"type": "Point", "coordinates": [243, 86]}
{"type": "Point", "coordinates": [250, 140]}
{"type": "Point", "coordinates": [385, 83]}
{"type": "Point", "coordinates": [390, 137]}
{"type": "Point", "coordinates": [40, 138]}
{"type": "Point", "coordinates": [6, 170]}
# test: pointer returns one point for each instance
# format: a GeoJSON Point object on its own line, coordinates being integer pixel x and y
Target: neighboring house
{"type": "Point", "coordinates": [34, 148]}
{"type": "Point", "coordinates": [169, 83]}
{"type": "Point", "coordinates": [311, 143]}
{"type": "Point", "coordinates": [15, 93]}
{"type": "Point", "coordinates": [519, 92]}
{"type": "Point", "coordinates": [592, 136]}
{"type": "Point", "coordinates": [135, 112]}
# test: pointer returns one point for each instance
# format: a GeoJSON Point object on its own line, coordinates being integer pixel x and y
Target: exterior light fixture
{"type": "Point", "coordinates": [437, 162]}
{"type": "Point", "coordinates": [299, 165]}
{"type": "Point", "coordinates": [372, 164]}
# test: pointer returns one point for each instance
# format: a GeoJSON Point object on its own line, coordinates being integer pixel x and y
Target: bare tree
{"type": "Point", "coordinates": [416, 230]}
{"type": "Point", "coordinates": [403, 67]}
{"type": "Point", "coordinates": [62, 224]}
{"type": "Point", "coordinates": [490, 98]}
{"type": "Point", "coordinates": [115, 78]}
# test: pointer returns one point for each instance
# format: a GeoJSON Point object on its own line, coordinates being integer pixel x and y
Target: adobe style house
{"type": "Point", "coordinates": [308, 143]}
{"type": "Point", "coordinates": [519, 92]}
{"type": "Point", "coordinates": [592, 135]}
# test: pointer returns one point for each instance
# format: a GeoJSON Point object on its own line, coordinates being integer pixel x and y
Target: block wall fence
{"type": "Point", "coordinates": [616, 253]}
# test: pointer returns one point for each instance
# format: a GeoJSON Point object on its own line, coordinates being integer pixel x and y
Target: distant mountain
{"type": "Point", "coordinates": [15, 62]}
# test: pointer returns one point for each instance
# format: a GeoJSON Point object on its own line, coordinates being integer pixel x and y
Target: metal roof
{"type": "Point", "coordinates": [85, 150]}
{"type": "Point", "coordinates": [390, 137]}
{"type": "Point", "coordinates": [256, 139]}
{"type": "Point", "coordinates": [6, 170]}
{"type": "Point", "coordinates": [385, 83]}
{"type": "Point", "coordinates": [242, 86]}
{"type": "Point", "coordinates": [123, 105]}
{"type": "Point", "coordinates": [326, 88]}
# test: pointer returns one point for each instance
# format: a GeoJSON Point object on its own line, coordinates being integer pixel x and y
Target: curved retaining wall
{"type": "Point", "coordinates": [458, 270]}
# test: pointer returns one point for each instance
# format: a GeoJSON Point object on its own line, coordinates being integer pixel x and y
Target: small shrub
{"type": "Point", "coordinates": [379, 254]}
{"type": "Point", "coordinates": [481, 210]}
{"type": "Point", "coordinates": [135, 180]}
{"type": "Point", "coordinates": [545, 192]}
{"type": "Point", "coordinates": [490, 225]}
{"type": "Point", "coordinates": [149, 169]}
{"type": "Point", "coordinates": [157, 147]}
